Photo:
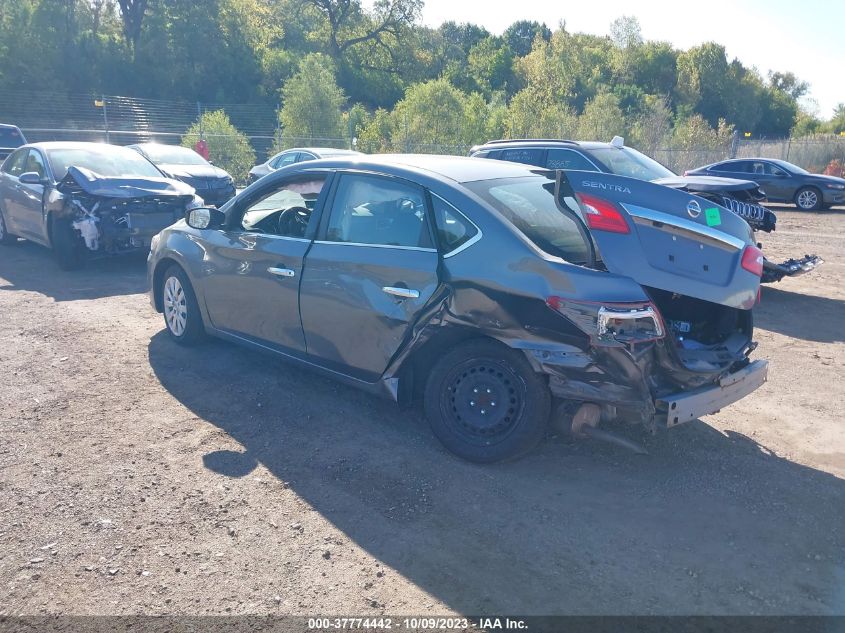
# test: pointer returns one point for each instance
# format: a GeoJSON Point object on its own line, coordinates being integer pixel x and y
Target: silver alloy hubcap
{"type": "Point", "coordinates": [175, 307]}
{"type": "Point", "coordinates": [807, 199]}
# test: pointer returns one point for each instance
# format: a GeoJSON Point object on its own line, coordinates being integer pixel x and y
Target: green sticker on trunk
{"type": "Point", "coordinates": [712, 216]}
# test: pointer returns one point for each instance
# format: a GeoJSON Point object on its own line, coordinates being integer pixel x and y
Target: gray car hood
{"type": "Point", "coordinates": [94, 184]}
{"type": "Point", "coordinates": [706, 183]}
{"type": "Point", "coordinates": [193, 171]}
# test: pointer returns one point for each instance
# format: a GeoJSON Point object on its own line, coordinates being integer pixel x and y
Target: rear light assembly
{"type": "Point", "coordinates": [602, 215]}
{"type": "Point", "coordinates": [620, 323]}
{"type": "Point", "coordinates": [752, 260]}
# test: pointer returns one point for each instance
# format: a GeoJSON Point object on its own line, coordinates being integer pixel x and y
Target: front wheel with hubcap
{"type": "Point", "coordinates": [485, 402]}
{"type": "Point", "coordinates": [808, 199]}
{"type": "Point", "coordinates": [182, 317]}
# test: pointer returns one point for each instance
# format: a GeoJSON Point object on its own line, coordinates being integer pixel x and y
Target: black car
{"type": "Point", "coordinates": [11, 138]}
{"type": "Point", "coordinates": [485, 289]}
{"type": "Point", "coordinates": [296, 155]}
{"type": "Point", "coordinates": [783, 181]}
{"type": "Point", "coordinates": [743, 197]}
{"type": "Point", "coordinates": [86, 200]}
{"type": "Point", "coordinates": [213, 184]}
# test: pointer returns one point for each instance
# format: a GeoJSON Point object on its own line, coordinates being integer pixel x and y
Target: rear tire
{"type": "Point", "coordinates": [181, 311]}
{"type": "Point", "coordinates": [6, 238]}
{"type": "Point", "coordinates": [485, 402]}
{"type": "Point", "coordinates": [68, 245]}
{"type": "Point", "coordinates": [808, 199]}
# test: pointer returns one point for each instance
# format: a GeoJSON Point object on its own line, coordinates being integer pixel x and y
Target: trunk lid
{"type": "Point", "coordinates": [664, 238]}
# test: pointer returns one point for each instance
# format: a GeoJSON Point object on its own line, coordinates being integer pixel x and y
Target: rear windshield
{"type": "Point", "coordinates": [9, 137]}
{"type": "Point", "coordinates": [115, 162]}
{"type": "Point", "coordinates": [529, 204]}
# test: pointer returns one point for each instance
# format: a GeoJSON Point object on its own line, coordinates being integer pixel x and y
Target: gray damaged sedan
{"type": "Point", "coordinates": [495, 293]}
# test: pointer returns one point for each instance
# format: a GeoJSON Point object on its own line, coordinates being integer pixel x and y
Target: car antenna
{"type": "Point", "coordinates": [618, 141]}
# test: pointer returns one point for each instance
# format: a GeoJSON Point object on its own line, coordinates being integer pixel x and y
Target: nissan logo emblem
{"type": "Point", "coordinates": [693, 208]}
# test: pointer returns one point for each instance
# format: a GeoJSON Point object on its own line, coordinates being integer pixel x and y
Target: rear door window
{"type": "Point", "coordinates": [568, 159]}
{"type": "Point", "coordinates": [529, 204]}
{"type": "Point", "coordinates": [380, 211]}
{"type": "Point", "coordinates": [525, 155]}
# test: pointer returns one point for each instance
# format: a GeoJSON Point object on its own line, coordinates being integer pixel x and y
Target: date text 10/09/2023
{"type": "Point", "coordinates": [416, 624]}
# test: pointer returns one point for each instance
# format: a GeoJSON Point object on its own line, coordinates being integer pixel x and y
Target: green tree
{"type": "Point", "coordinates": [652, 129]}
{"type": "Point", "coordinates": [227, 146]}
{"type": "Point", "coordinates": [602, 119]}
{"type": "Point", "coordinates": [520, 36]}
{"type": "Point", "coordinates": [430, 118]}
{"type": "Point", "coordinates": [534, 114]}
{"type": "Point", "coordinates": [311, 104]}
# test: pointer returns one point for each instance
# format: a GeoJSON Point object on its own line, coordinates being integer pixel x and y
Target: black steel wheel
{"type": "Point", "coordinates": [485, 402]}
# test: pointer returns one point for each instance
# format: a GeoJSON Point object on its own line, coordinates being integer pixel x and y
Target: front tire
{"type": "Point", "coordinates": [68, 245]}
{"type": "Point", "coordinates": [6, 238]}
{"type": "Point", "coordinates": [182, 316]}
{"type": "Point", "coordinates": [485, 403]}
{"type": "Point", "coordinates": [808, 199]}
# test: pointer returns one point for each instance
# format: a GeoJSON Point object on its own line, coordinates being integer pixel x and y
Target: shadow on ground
{"type": "Point", "coordinates": [708, 523]}
{"type": "Point", "coordinates": [800, 315]}
{"type": "Point", "coordinates": [28, 266]}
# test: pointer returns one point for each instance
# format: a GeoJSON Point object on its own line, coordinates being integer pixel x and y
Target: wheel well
{"type": "Point", "coordinates": [158, 279]}
{"type": "Point", "coordinates": [417, 367]}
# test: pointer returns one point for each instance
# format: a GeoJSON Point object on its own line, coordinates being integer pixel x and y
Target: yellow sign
{"type": "Point", "coordinates": [98, 103]}
{"type": "Point", "coordinates": [748, 135]}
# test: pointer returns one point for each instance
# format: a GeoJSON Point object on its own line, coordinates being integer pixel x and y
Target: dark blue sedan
{"type": "Point", "coordinates": [782, 181]}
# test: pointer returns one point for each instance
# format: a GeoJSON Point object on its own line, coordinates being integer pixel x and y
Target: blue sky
{"type": "Point", "coordinates": [806, 37]}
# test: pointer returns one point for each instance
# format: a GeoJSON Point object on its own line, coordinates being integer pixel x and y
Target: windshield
{"type": "Point", "coordinates": [529, 204]}
{"type": "Point", "coordinates": [172, 155]}
{"type": "Point", "coordinates": [109, 161]}
{"type": "Point", "coordinates": [624, 161]}
{"type": "Point", "coordinates": [10, 137]}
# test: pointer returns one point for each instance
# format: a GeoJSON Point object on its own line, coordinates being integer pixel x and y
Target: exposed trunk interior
{"type": "Point", "coordinates": [708, 336]}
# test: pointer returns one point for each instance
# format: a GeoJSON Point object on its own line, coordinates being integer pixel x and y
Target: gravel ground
{"type": "Point", "coordinates": [137, 477]}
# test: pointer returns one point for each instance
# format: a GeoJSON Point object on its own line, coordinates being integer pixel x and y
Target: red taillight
{"type": "Point", "coordinates": [602, 215]}
{"type": "Point", "coordinates": [686, 173]}
{"type": "Point", "coordinates": [752, 260]}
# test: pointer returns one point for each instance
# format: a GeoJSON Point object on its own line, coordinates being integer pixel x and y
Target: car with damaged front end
{"type": "Point", "coordinates": [87, 200]}
{"type": "Point", "coordinates": [496, 294]}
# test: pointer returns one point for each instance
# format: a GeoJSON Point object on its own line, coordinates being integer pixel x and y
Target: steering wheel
{"type": "Point", "coordinates": [294, 221]}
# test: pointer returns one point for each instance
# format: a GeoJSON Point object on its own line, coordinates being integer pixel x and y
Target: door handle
{"type": "Point", "coordinates": [281, 272]}
{"type": "Point", "coordinates": [404, 293]}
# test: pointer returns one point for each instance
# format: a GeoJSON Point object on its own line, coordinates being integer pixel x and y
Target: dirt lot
{"type": "Point", "coordinates": [139, 477]}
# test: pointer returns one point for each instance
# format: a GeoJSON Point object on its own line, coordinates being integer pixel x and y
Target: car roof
{"type": "Point", "coordinates": [319, 150]}
{"type": "Point", "coordinates": [540, 143]}
{"type": "Point", "coordinates": [9, 126]}
{"type": "Point", "coordinates": [48, 145]}
{"type": "Point", "coordinates": [457, 168]}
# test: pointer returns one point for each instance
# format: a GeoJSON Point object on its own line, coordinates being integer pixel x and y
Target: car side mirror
{"type": "Point", "coordinates": [31, 178]}
{"type": "Point", "coordinates": [205, 218]}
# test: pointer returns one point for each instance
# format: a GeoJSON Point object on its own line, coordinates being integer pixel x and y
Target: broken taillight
{"type": "Point", "coordinates": [752, 260]}
{"type": "Point", "coordinates": [624, 323]}
{"type": "Point", "coordinates": [602, 215]}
